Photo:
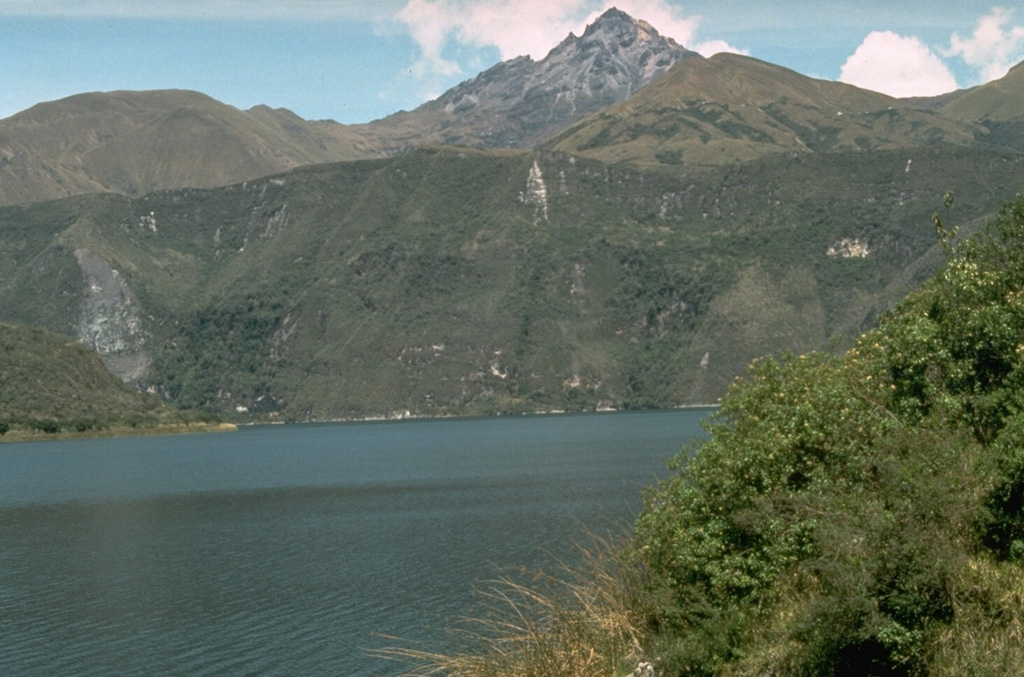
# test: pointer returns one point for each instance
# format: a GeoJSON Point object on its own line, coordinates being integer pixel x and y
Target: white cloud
{"type": "Point", "coordinates": [710, 47]}
{"type": "Point", "coordinates": [993, 48]}
{"type": "Point", "coordinates": [896, 65]}
{"type": "Point", "coordinates": [430, 29]}
{"type": "Point", "coordinates": [669, 20]}
{"type": "Point", "coordinates": [517, 28]}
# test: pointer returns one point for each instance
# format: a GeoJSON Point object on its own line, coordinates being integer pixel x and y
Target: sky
{"type": "Point", "coordinates": [359, 61]}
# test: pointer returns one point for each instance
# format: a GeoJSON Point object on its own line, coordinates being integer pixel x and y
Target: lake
{"type": "Point", "coordinates": [284, 550]}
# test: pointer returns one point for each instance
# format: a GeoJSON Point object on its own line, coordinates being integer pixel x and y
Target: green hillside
{"type": "Point", "coordinates": [999, 100]}
{"type": "Point", "coordinates": [452, 281]}
{"type": "Point", "coordinates": [51, 384]}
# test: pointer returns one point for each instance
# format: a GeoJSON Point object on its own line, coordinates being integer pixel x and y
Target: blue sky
{"type": "Point", "coordinates": [358, 61]}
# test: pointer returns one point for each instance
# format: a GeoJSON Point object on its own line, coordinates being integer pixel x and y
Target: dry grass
{"type": "Point", "coordinates": [584, 621]}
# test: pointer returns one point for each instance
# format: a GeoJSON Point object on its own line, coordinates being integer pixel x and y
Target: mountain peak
{"type": "Point", "coordinates": [615, 24]}
{"type": "Point", "coordinates": [612, 16]}
{"type": "Point", "coordinates": [521, 102]}
{"type": "Point", "coordinates": [615, 18]}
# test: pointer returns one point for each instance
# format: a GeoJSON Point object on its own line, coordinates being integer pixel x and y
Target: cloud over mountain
{"type": "Point", "coordinates": [905, 66]}
{"type": "Point", "coordinates": [440, 26]}
{"type": "Point", "coordinates": [897, 65]}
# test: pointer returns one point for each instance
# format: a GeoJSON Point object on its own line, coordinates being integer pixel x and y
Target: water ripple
{"type": "Point", "coordinates": [293, 550]}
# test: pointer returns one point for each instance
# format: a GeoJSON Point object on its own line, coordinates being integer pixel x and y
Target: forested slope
{"type": "Point", "coordinates": [453, 281]}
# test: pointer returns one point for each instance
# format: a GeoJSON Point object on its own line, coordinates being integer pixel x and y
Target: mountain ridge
{"type": "Point", "coordinates": [136, 142]}
{"type": "Point", "coordinates": [702, 111]}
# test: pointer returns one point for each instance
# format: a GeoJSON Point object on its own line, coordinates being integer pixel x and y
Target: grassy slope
{"type": "Point", "coordinates": [137, 142]}
{"type": "Point", "coordinates": [999, 100]}
{"type": "Point", "coordinates": [997, 106]}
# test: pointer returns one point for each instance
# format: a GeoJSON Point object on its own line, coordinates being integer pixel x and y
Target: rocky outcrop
{"type": "Point", "coordinates": [536, 193]}
{"type": "Point", "coordinates": [521, 102]}
{"type": "Point", "coordinates": [109, 321]}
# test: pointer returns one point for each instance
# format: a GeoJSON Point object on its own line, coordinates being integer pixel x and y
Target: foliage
{"type": "Point", "coordinates": [836, 519]}
{"type": "Point", "coordinates": [214, 342]}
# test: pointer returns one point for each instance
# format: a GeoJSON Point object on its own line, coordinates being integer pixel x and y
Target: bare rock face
{"type": "Point", "coordinates": [110, 322]}
{"type": "Point", "coordinates": [521, 102]}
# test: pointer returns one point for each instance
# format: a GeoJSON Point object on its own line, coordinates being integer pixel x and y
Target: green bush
{"type": "Point", "coordinates": [1003, 526]}
{"type": "Point", "coordinates": [832, 522]}
{"type": "Point", "coordinates": [45, 425]}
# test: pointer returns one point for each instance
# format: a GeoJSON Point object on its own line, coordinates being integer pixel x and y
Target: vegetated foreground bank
{"type": "Point", "coordinates": [853, 514]}
{"type": "Point", "coordinates": [54, 387]}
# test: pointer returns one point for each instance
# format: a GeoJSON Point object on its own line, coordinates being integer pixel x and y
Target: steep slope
{"type": "Point", "coordinates": [136, 142]}
{"type": "Point", "coordinates": [518, 103]}
{"type": "Point", "coordinates": [458, 281]}
{"type": "Point", "coordinates": [731, 108]}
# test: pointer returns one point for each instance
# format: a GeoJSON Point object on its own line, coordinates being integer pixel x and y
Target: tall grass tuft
{"type": "Point", "coordinates": [586, 620]}
{"type": "Point", "coordinates": [986, 636]}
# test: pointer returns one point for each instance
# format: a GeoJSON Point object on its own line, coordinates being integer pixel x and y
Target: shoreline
{"type": "Point", "coordinates": [17, 436]}
{"type": "Point", "coordinates": [398, 417]}
{"type": "Point", "coordinates": [166, 429]}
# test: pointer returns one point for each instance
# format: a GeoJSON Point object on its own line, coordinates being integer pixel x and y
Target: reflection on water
{"type": "Point", "coordinates": [294, 549]}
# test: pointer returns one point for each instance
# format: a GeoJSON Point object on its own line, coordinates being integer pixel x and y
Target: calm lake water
{"type": "Point", "coordinates": [292, 550]}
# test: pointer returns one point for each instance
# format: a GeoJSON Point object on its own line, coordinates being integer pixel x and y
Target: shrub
{"type": "Point", "coordinates": [827, 525]}
{"type": "Point", "coordinates": [45, 425]}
